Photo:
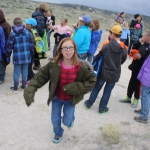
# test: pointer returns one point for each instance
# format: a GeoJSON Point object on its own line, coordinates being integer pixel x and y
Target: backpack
{"type": "Point", "coordinates": [134, 34]}
{"type": "Point", "coordinates": [144, 74]}
{"type": "Point", "coordinates": [44, 38]}
{"type": "Point", "coordinates": [97, 64]}
{"type": "Point", "coordinates": [38, 41]}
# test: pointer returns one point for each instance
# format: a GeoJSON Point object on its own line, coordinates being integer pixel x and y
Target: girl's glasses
{"type": "Point", "coordinates": [66, 48]}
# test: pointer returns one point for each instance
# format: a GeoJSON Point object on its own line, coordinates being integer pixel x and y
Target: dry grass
{"type": "Point", "coordinates": [111, 133]}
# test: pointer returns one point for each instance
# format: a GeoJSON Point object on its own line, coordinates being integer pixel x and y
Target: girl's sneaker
{"type": "Point", "coordinates": [13, 89]}
{"type": "Point", "coordinates": [56, 139]}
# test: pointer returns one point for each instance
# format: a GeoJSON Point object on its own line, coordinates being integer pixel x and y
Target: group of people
{"type": "Point", "coordinates": [68, 74]}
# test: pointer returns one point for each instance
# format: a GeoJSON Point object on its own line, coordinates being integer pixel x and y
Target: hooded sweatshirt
{"type": "Point", "coordinates": [22, 43]}
{"type": "Point", "coordinates": [4, 24]}
{"type": "Point", "coordinates": [114, 54]}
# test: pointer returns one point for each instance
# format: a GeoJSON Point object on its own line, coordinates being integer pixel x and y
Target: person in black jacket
{"type": "Point", "coordinates": [39, 16]}
{"type": "Point", "coordinates": [49, 22]}
{"type": "Point", "coordinates": [143, 48]}
{"type": "Point", "coordinates": [114, 54]}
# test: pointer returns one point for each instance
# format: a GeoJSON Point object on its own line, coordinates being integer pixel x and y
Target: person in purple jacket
{"type": "Point", "coordinates": [21, 42]}
{"type": "Point", "coordinates": [95, 39]}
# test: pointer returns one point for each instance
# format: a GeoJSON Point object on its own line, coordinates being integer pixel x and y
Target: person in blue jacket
{"type": "Point", "coordinates": [2, 51]}
{"type": "Point", "coordinates": [82, 37]}
{"type": "Point", "coordinates": [95, 39]}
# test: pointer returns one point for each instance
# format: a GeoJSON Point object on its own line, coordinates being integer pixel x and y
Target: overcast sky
{"type": "Point", "coordinates": [129, 6]}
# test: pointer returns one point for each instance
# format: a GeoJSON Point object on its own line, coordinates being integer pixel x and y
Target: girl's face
{"type": "Point", "coordinates": [81, 22]}
{"type": "Point", "coordinates": [48, 14]}
{"type": "Point", "coordinates": [67, 50]}
{"type": "Point", "coordinates": [29, 26]}
{"type": "Point", "coordinates": [123, 15]}
{"type": "Point", "coordinates": [63, 22]}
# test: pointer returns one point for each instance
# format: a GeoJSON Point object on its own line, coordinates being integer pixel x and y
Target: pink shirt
{"type": "Point", "coordinates": [62, 29]}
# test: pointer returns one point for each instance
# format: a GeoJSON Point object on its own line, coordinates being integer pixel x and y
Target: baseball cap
{"type": "Point", "coordinates": [85, 18]}
{"type": "Point", "coordinates": [31, 21]}
{"type": "Point", "coordinates": [138, 26]}
{"type": "Point", "coordinates": [116, 29]}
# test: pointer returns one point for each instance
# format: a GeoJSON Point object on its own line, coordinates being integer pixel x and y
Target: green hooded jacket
{"type": "Point", "coordinates": [84, 83]}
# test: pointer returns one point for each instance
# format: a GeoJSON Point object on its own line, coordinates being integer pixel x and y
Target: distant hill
{"type": "Point", "coordinates": [24, 9]}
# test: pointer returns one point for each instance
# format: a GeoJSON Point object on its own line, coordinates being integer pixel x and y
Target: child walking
{"type": "Point", "coordinates": [21, 42]}
{"type": "Point", "coordinates": [69, 80]}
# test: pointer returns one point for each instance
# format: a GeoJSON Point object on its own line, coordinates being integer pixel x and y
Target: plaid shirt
{"type": "Point", "coordinates": [21, 42]}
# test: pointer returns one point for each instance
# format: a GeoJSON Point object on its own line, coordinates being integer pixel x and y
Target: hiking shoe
{"type": "Point", "coordinates": [126, 100]}
{"type": "Point", "coordinates": [22, 87]}
{"type": "Point", "coordinates": [139, 119]}
{"type": "Point", "coordinates": [56, 139]}
{"type": "Point", "coordinates": [137, 111]}
{"type": "Point", "coordinates": [135, 103]}
{"type": "Point", "coordinates": [86, 106]}
{"type": "Point", "coordinates": [102, 111]}
{"type": "Point", "coordinates": [13, 89]}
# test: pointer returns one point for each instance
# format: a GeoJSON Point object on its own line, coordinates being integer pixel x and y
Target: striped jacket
{"type": "Point", "coordinates": [21, 42]}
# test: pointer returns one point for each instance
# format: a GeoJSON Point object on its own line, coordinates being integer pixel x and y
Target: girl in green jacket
{"type": "Point", "coordinates": [69, 80]}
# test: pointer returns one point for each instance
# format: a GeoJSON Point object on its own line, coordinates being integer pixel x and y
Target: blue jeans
{"type": "Point", "coordinates": [2, 71]}
{"type": "Point", "coordinates": [48, 38]}
{"type": "Point", "coordinates": [67, 118]}
{"type": "Point", "coordinates": [89, 57]}
{"type": "Point", "coordinates": [82, 56]}
{"type": "Point", "coordinates": [145, 102]}
{"type": "Point", "coordinates": [23, 70]}
{"type": "Point", "coordinates": [54, 50]}
{"type": "Point", "coordinates": [106, 93]}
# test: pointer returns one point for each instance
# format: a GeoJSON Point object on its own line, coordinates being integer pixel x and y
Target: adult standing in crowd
{"type": "Point", "coordinates": [82, 36]}
{"type": "Point", "coordinates": [39, 16]}
{"type": "Point", "coordinates": [7, 29]}
{"type": "Point", "coordinates": [49, 22]}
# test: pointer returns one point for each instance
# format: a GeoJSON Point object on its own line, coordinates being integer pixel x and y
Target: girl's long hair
{"type": "Point", "coordinates": [59, 57]}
